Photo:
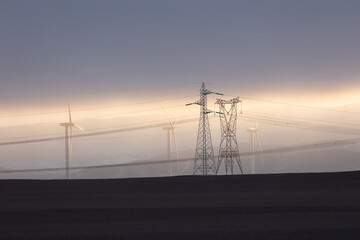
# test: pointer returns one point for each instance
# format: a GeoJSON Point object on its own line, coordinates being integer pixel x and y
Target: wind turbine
{"type": "Point", "coordinates": [68, 141]}
{"type": "Point", "coordinates": [170, 128]}
{"type": "Point", "coordinates": [254, 131]}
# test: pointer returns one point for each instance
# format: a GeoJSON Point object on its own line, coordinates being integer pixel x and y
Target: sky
{"type": "Point", "coordinates": [137, 61]}
{"type": "Point", "coordinates": [151, 48]}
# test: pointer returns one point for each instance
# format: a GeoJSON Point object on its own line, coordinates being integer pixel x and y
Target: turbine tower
{"type": "Point", "coordinates": [170, 131]}
{"type": "Point", "coordinates": [68, 141]}
{"type": "Point", "coordinates": [229, 150]}
{"type": "Point", "coordinates": [254, 131]}
{"type": "Point", "coordinates": [204, 155]}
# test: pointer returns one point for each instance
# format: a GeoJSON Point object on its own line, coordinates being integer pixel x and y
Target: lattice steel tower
{"type": "Point", "coordinates": [204, 155]}
{"type": "Point", "coordinates": [229, 150]}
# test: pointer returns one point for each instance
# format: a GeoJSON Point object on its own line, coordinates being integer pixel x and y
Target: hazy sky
{"type": "Point", "coordinates": [52, 47]}
{"type": "Point", "coordinates": [119, 55]}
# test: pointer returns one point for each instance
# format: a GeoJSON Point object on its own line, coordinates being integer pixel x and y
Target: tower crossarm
{"type": "Point", "coordinates": [231, 101]}
{"type": "Point", "coordinates": [197, 103]}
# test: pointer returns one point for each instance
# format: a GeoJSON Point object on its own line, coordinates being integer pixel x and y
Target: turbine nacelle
{"type": "Point", "coordinates": [67, 124]}
{"type": "Point", "coordinates": [252, 130]}
{"type": "Point", "coordinates": [171, 126]}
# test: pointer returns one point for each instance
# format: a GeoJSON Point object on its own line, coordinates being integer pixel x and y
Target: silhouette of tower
{"type": "Point", "coordinates": [67, 146]}
{"type": "Point", "coordinates": [170, 130]}
{"type": "Point", "coordinates": [204, 155]}
{"type": "Point", "coordinates": [229, 150]}
{"type": "Point", "coordinates": [68, 141]}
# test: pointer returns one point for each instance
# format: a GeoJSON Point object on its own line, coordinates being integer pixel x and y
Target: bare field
{"type": "Point", "coordinates": [283, 206]}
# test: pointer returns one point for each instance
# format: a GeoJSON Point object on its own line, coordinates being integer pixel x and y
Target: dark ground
{"type": "Point", "coordinates": [286, 206]}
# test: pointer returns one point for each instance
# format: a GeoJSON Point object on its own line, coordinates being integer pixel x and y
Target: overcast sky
{"type": "Point", "coordinates": [83, 46]}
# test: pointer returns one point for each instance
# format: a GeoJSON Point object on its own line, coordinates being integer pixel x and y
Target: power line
{"type": "Point", "coordinates": [300, 106]}
{"type": "Point", "coordinates": [167, 99]}
{"type": "Point", "coordinates": [305, 147]}
{"type": "Point", "coordinates": [304, 125]}
{"type": "Point", "coordinates": [136, 136]}
{"type": "Point", "coordinates": [298, 119]}
{"type": "Point", "coordinates": [244, 116]}
{"type": "Point", "coordinates": [93, 129]}
{"type": "Point", "coordinates": [95, 108]}
{"type": "Point", "coordinates": [319, 145]}
{"type": "Point", "coordinates": [140, 111]}
{"type": "Point", "coordinates": [96, 133]}
{"type": "Point", "coordinates": [31, 136]}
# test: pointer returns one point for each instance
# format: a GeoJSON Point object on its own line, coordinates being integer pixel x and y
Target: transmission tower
{"type": "Point", "coordinates": [229, 150]}
{"type": "Point", "coordinates": [204, 155]}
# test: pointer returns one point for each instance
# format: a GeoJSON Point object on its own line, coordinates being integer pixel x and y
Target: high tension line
{"type": "Point", "coordinates": [248, 117]}
{"type": "Point", "coordinates": [96, 133]}
{"type": "Point", "coordinates": [304, 147]}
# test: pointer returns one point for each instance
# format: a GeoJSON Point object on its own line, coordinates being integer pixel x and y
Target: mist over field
{"type": "Point", "coordinates": [280, 126]}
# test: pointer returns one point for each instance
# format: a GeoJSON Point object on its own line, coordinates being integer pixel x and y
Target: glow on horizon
{"type": "Point", "coordinates": [175, 108]}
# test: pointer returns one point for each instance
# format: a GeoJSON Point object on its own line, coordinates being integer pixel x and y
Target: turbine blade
{"type": "Point", "coordinates": [69, 113]}
{"type": "Point", "coordinates": [78, 127]}
{"type": "Point", "coordinates": [167, 116]}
